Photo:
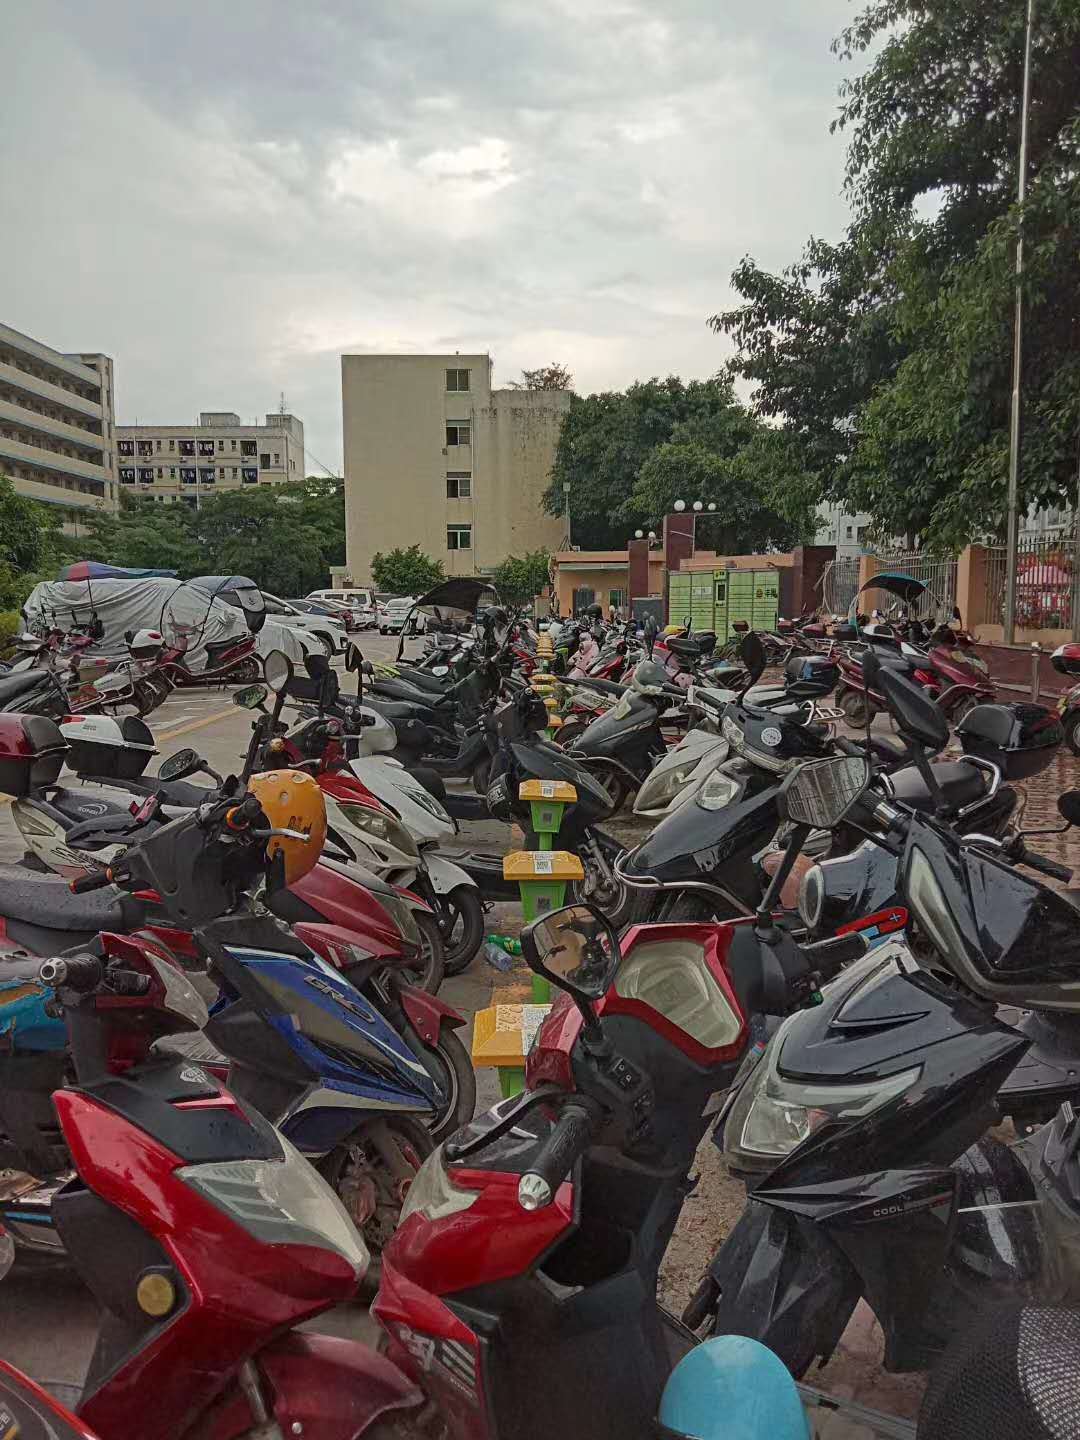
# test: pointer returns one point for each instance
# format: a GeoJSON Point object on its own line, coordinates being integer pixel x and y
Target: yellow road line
{"type": "Point", "coordinates": [195, 724]}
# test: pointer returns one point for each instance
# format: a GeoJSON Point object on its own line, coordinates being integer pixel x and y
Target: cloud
{"type": "Point", "coordinates": [225, 198]}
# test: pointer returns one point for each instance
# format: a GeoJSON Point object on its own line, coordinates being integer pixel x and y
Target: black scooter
{"type": "Point", "coordinates": [864, 1128]}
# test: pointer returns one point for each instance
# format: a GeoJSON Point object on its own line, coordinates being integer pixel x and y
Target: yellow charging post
{"type": "Point", "coordinates": [502, 1035]}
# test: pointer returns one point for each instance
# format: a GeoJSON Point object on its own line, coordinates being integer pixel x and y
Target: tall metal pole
{"type": "Point", "coordinates": [1018, 348]}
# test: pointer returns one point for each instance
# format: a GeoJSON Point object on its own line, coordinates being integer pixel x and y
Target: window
{"type": "Point", "coordinates": [292, 464]}
{"type": "Point", "coordinates": [221, 473]}
{"type": "Point", "coordinates": [234, 473]}
{"type": "Point", "coordinates": [127, 475]}
{"type": "Point", "coordinates": [172, 444]}
{"type": "Point", "coordinates": [458, 435]}
{"type": "Point", "coordinates": [160, 473]}
{"type": "Point", "coordinates": [459, 537]}
{"type": "Point", "coordinates": [146, 477]}
{"type": "Point", "coordinates": [250, 477]}
{"type": "Point", "coordinates": [264, 461]}
{"type": "Point", "coordinates": [220, 446]}
{"type": "Point", "coordinates": [457, 380]}
{"type": "Point", "coordinates": [187, 447]}
{"type": "Point", "coordinates": [848, 532]}
{"type": "Point", "coordinates": [617, 598]}
{"type": "Point", "coordinates": [206, 474]}
{"type": "Point", "coordinates": [172, 472]}
{"type": "Point", "coordinates": [146, 447]}
{"type": "Point", "coordinates": [864, 531]}
{"type": "Point", "coordinates": [124, 447]}
{"type": "Point", "coordinates": [232, 444]}
{"type": "Point", "coordinates": [277, 458]}
{"type": "Point", "coordinates": [187, 477]}
{"type": "Point", "coordinates": [458, 485]}
{"type": "Point", "coordinates": [158, 444]}
{"type": "Point", "coordinates": [248, 447]}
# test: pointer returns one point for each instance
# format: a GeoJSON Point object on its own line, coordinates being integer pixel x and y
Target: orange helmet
{"type": "Point", "coordinates": [292, 800]}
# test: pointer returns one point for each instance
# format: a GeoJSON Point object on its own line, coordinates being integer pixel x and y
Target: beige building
{"type": "Point", "coordinates": [188, 462]}
{"type": "Point", "coordinates": [56, 426]}
{"type": "Point", "coordinates": [436, 458]}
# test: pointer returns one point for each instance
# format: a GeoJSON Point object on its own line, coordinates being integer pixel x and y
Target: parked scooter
{"type": "Point", "coordinates": [1066, 661]}
{"type": "Point", "coordinates": [204, 1235]}
{"type": "Point", "coordinates": [864, 1127]}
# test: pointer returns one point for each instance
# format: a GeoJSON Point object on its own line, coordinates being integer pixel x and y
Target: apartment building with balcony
{"type": "Point", "coordinates": [190, 462]}
{"type": "Point", "coordinates": [57, 437]}
{"type": "Point", "coordinates": [435, 457]}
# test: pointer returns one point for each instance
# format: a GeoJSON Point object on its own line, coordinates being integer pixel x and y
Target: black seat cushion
{"type": "Point", "coordinates": [685, 649]}
{"type": "Point", "coordinates": [889, 748]}
{"type": "Point", "coordinates": [960, 784]}
{"type": "Point", "coordinates": [46, 900]}
{"type": "Point", "coordinates": [423, 680]}
{"type": "Point", "coordinates": [11, 686]}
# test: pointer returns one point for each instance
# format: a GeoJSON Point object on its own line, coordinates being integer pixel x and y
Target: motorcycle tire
{"type": "Point", "coordinates": [1072, 732]}
{"type": "Point", "coordinates": [371, 1173]}
{"type": "Point", "coordinates": [461, 907]}
{"type": "Point", "coordinates": [480, 775]}
{"type": "Point", "coordinates": [428, 970]}
{"type": "Point", "coordinates": [458, 1079]}
{"type": "Point", "coordinates": [570, 732]}
{"type": "Point", "coordinates": [855, 708]}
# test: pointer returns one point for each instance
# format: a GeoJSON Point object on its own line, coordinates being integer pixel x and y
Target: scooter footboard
{"type": "Point", "coordinates": [779, 1279]}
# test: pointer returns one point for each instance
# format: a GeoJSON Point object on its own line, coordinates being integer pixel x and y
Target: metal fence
{"type": "Point", "coordinates": [1046, 576]}
{"type": "Point", "coordinates": [938, 573]}
{"type": "Point", "coordinates": [839, 582]}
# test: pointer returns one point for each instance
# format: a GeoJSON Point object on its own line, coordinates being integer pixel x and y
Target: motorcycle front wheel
{"type": "Point", "coordinates": [371, 1173]}
{"type": "Point", "coordinates": [461, 922]}
{"type": "Point", "coordinates": [428, 969]}
{"type": "Point", "coordinates": [458, 1081]}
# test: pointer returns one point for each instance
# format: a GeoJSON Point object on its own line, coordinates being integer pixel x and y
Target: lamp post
{"type": "Point", "coordinates": [566, 505]}
{"type": "Point", "coordinates": [1015, 412]}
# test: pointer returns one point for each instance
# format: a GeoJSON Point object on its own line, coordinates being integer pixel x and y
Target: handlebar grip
{"type": "Point", "coordinates": [569, 1138]}
{"type": "Point", "coordinates": [1047, 867]}
{"type": "Point", "coordinates": [94, 880]}
{"type": "Point", "coordinates": [75, 972]}
{"type": "Point", "coordinates": [242, 815]}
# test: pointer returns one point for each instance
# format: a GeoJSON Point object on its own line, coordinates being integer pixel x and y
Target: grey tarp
{"type": "Point", "coordinates": [138, 605]}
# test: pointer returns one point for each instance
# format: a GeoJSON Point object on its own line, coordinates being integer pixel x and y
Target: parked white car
{"type": "Point", "coordinates": [395, 613]}
{"type": "Point", "coordinates": [327, 632]}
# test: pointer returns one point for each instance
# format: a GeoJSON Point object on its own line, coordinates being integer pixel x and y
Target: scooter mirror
{"type": "Point", "coordinates": [180, 765]}
{"type": "Point", "coordinates": [820, 794]}
{"type": "Point", "coordinates": [252, 697]}
{"type": "Point", "coordinates": [1069, 806]}
{"type": "Point", "coordinates": [278, 670]}
{"type": "Point", "coordinates": [576, 948]}
{"type": "Point", "coordinates": [354, 658]}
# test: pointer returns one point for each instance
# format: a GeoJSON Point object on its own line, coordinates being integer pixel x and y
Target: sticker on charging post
{"type": "Point", "coordinates": [542, 862]}
{"type": "Point", "coordinates": [547, 789]}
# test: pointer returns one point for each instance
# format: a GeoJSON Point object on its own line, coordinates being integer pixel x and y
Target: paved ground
{"type": "Point", "coordinates": [48, 1321]}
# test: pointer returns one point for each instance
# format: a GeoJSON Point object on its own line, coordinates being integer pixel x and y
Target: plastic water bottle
{"type": "Point", "coordinates": [497, 957]}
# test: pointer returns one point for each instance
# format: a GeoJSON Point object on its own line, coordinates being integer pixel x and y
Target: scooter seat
{"type": "Point", "coordinates": [424, 680]}
{"type": "Point", "coordinates": [21, 683]}
{"type": "Point", "coordinates": [764, 694]}
{"type": "Point", "coordinates": [684, 648]}
{"type": "Point", "coordinates": [47, 901]}
{"type": "Point", "coordinates": [960, 784]}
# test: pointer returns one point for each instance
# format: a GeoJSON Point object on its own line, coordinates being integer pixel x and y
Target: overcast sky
{"type": "Point", "coordinates": [227, 196]}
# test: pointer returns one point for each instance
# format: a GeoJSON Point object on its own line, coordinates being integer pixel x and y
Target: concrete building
{"type": "Point", "coordinates": [847, 532]}
{"type": "Point", "coordinates": [187, 462]}
{"type": "Point", "coordinates": [56, 426]}
{"type": "Point", "coordinates": [434, 457]}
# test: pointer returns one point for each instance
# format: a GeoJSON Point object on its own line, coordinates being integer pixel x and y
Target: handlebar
{"type": "Point", "coordinates": [568, 1140]}
{"type": "Point", "coordinates": [76, 972]}
{"type": "Point", "coordinates": [94, 880]}
{"type": "Point", "coordinates": [1024, 856]}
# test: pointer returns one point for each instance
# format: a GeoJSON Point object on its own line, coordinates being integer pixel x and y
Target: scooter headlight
{"type": "Point", "coordinates": [659, 790]}
{"type": "Point", "coordinates": [718, 791]}
{"type": "Point", "coordinates": [381, 826]}
{"type": "Point", "coordinates": [433, 1193]}
{"type": "Point", "coordinates": [772, 1115]}
{"type": "Point", "coordinates": [929, 907]}
{"type": "Point", "coordinates": [281, 1202]}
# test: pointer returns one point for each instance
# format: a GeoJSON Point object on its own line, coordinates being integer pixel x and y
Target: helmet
{"type": "Point", "coordinates": [291, 800]}
{"type": "Point", "coordinates": [672, 630]}
{"type": "Point", "coordinates": [594, 612]}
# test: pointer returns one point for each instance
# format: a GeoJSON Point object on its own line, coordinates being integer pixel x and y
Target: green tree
{"type": "Point", "coordinates": [31, 545]}
{"type": "Point", "coordinates": [888, 355]}
{"type": "Point", "coordinates": [322, 499]}
{"type": "Point", "coordinates": [405, 571]}
{"type": "Point", "coordinates": [261, 535]}
{"type": "Point", "coordinates": [547, 377]}
{"type": "Point", "coordinates": [520, 578]}
{"type": "Point", "coordinates": [606, 439]}
{"type": "Point", "coordinates": [144, 534]}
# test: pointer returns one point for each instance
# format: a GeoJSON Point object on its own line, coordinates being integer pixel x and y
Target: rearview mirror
{"type": "Point", "coordinates": [575, 948]}
{"type": "Point", "coordinates": [278, 670]}
{"type": "Point", "coordinates": [1069, 806]}
{"type": "Point", "coordinates": [180, 765]}
{"type": "Point", "coordinates": [820, 794]}
{"type": "Point", "coordinates": [251, 697]}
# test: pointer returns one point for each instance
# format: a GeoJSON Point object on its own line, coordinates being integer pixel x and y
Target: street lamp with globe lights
{"type": "Point", "coordinates": [680, 506]}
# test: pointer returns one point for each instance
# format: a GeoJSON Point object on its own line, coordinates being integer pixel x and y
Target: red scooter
{"type": "Point", "coordinates": [203, 1234]}
{"type": "Point", "coordinates": [956, 680]}
{"type": "Point", "coordinates": [520, 1285]}
{"type": "Point", "coordinates": [1066, 661]}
